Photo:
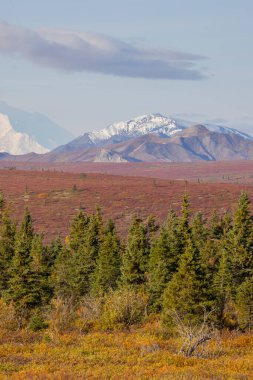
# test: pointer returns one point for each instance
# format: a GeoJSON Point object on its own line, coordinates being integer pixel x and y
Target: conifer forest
{"type": "Point", "coordinates": [188, 278]}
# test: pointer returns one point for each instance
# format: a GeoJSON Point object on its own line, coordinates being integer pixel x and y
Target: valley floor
{"type": "Point", "coordinates": [54, 197]}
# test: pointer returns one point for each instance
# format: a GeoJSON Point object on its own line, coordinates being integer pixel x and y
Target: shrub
{"type": "Point", "coordinates": [36, 322]}
{"type": "Point", "coordinates": [8, 317]}
{"type": "Point", "coordinates": [88, 313]}
{"type": "Point", "coordinates": [61, 315]}
{"type": "Point", "coordinates": [123, 308]}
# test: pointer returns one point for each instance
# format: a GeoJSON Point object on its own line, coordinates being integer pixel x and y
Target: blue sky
{"type": "Point", "coordinates": [88, 63]}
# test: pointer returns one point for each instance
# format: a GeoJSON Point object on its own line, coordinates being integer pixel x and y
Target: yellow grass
{"type": "Point", "coordinates": [139, 354]}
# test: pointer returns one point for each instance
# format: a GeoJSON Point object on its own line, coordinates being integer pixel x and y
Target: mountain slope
{"type": "Point", "coordinates": [15, 142]}
{"type": "Point", "coordinates": [40, 128]}
{"type": "Point", "coordinates": [193, 144]}
{"type": "Point", "coordinates": [122, 131]}
{"type": "Point", "coordinates": [155, 124]}
{"type": "Point", "coordinates": [196, 143]}
{"type": "Point", "coordinates": [152, 138]}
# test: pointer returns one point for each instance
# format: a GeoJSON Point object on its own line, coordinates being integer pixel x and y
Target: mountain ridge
{"type": "Point", "coordinates": [152, 138]}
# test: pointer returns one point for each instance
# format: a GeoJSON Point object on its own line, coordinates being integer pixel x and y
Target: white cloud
{"type": "Point", "coordinates": [87, 51]}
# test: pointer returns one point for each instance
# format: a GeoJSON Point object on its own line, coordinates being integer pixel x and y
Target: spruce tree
{"type": "Point", "coordinates": [215, 230]}
{"type": "Point", "coordinates": [83, 261]}
{"type": "Point", "coordinates": [162, 265]}
{"type": "Point", "coordinates": [244, 302]}
{"type": "Point", "coordinates": [78, 231]}
{"type": "Point", "coordinates": [62, 274]}
{"type": "Point", "coordinates": [135, 258]}
{"type": "Point", "coordinates": [183, 294]}
{"type": "Point", "coordinates": [19, 290]}
{"type": "Point", "coordinates": [198, 230]}
{"type": "Point", "coordinates": [107, 270]}
{"type": "Point", "coordinates": [184, 229]}
{"type": "Point", "coordinates": [7, 246]}
{"type": "Point", "coordinates": [52, 252]}
{"type": "Point", "coordinates": [240, 241]}
{"type": "Point", "coordinates": [222, 286]}
{"type": "Point", "coordinates": [39, 279]}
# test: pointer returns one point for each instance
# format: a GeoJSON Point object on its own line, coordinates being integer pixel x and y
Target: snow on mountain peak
{"type": "Point", "coordinates": [141, 125]}
{"type": "Point", "coordinates": [15, 142]}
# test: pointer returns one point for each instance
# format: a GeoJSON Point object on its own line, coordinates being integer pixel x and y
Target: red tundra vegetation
{"type": "Point", "coordinates": [55, 197]}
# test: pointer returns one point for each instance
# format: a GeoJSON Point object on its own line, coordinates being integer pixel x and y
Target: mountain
{"type": "Point", "coordinates": [15, 142]}
{"type": "Point", "coordinates": [152, 138]}
{"type": "Point", "coordinates": [122, 131]}
{"type": "Point", "coordinates": [155, 124]}
{"type": "Point", "coordinates": [38, 127]}
{"type": "Point", "coordinates": [191, 144]}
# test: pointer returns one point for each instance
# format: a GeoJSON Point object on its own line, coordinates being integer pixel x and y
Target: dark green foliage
{"type": "Point", "coordinates": [52, 252]}
{"type": "Point", "coordinates": [240, 241]}
{"type": "Point", "coordinates": [244, 303]}
{"type": "Point", "coordinates": [188, 267]}
{"type": "Point", "coordinates": [162, 265]}
{"type": "Point", "coordinates": [7, 244]}
{"type": "Point", "coordinates": [222, 286]}
{"type": "Point", "coordinates": [75, 265]}
{"type": "Point", "coordinates": [183, 295]}
{"type": "Point", "coordinates": [199, 232]}
{"type": "Point", "coordinates": [20, 284]}
{"type": "Point", "coordinates": [135, 258]}
{"type": "Point", "coordinates": [78, 231]}
{"type": "Point", "coordinates": [36, 322]}
{"type": "Point", "coordinates": [215, 230]}
{"type": "Point", "coordinates": [107, 270]}
{"type": "Point", "coordinates": [39, 277]}
{"type": "Point", "coordinates": [2, 201]}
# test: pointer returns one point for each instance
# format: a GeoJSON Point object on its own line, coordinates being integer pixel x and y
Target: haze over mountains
{"type": "Point", "coordinates": [39, 127]}
{"type": "Point", "coordinates": [15, 142]}
{"type": "Point", "coordinates": [150, 138]}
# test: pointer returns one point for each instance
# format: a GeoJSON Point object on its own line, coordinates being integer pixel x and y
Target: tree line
{"type": "Point", "coordinates": [187, 265]}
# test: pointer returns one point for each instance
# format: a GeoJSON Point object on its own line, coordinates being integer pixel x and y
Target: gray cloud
{"type": "Point", "coordinates": [85, 51]}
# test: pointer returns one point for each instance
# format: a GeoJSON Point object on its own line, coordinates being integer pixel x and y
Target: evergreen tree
{"type": "Point", "coordinates": [226, 224]}
{"type": "Point", "coordinates": [162, 265]}
{"type": "Point", "coordinates": [84, 260]}
{"type": "Point", "coordinates": [135, 258]}
{"type": "Point", "coordinates": [222, 285]}
{"type": "Point", "coordinates": [62, 274]}
{"type": "Point", "coordinates": [183, 294]}
{"type": "Point", "coordinates": [215, 231]}
{"type": "Point", "coordinates": [7, 244]}
{"type": "Point", "coordinates": [240, 241]}
{"type": "Point", "coordinates": [52, 252]}
{"type": "Point", "coordinates": [19, 290]}
{"type": "Point", "coordinates": [39, 279]}
{"type": "Point", "coordinates": [107, 270]}
{"type": "Point", "coordinates": [184, 229]}
{"type": "Point", "coordinates": [198, 231]}
{"type": "Point", "coordinates": [2, 202]}
{"type": "Point", "coordinates": [244, 301]}
{"type": "Point", "coordinates": [78, 231]}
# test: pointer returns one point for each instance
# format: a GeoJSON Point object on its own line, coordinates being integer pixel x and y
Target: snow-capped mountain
{"type": "Point", "coordinates": [39, 127]}
{"type": "Point", "coordinates": [227, 130]}
{"type": "Point", "coordinates": [15, 142]}
{"type": "Point", "coordinates": [139, 126]}
{"type": "Point", "coordinates": [115, 133]}
{"type": "Point", "coordinates": [155, 137]}
{"type": "Point", "coordinates": [155, 124]}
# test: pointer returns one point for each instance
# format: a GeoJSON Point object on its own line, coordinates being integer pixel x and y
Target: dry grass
{"type": "Point", "coordinates": [143, 353]}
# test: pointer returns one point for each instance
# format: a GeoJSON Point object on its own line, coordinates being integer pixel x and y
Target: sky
{"type": "Point", "coordinates": [88, 63]}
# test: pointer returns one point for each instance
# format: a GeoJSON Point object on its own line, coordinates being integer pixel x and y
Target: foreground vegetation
{"type": "Point", "coordinates": [143, 353]}
{"type": "Point", "coordinates": [173, 301]}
